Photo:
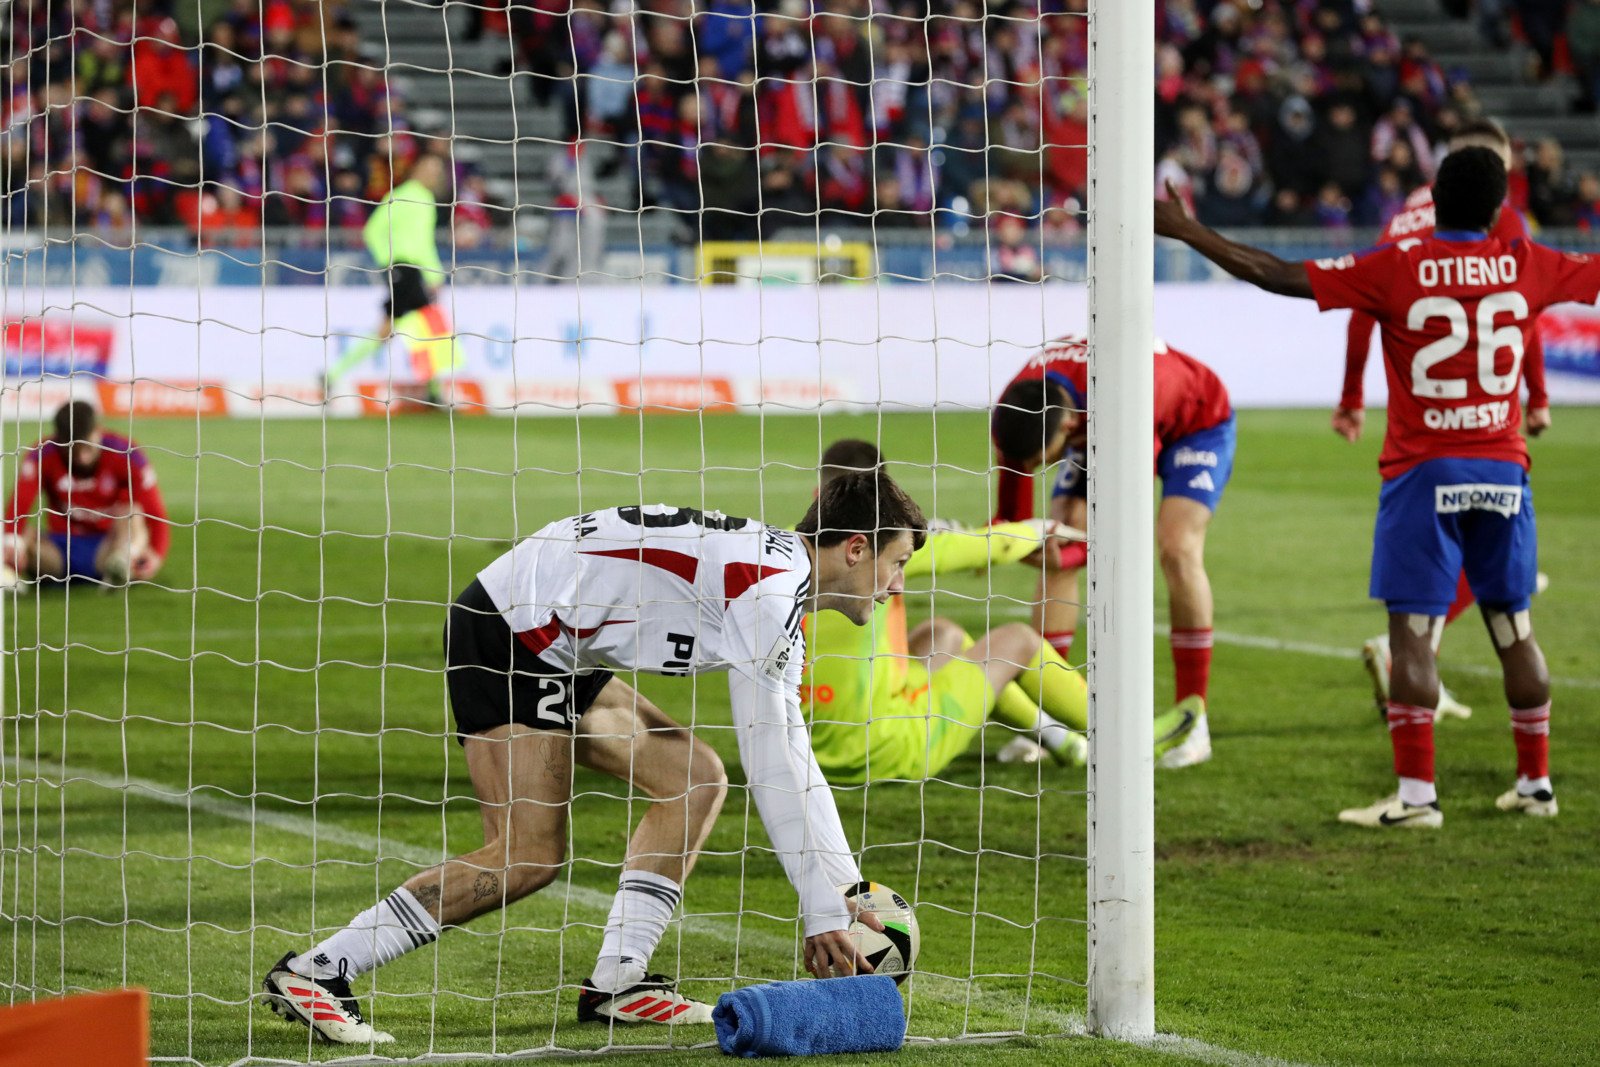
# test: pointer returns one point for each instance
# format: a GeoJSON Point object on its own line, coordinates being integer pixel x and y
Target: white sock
{"type": "Point", "coordinates": [639, 915]}
{"type": "Point", "coordinates": [1416, 792]}
{"type": "Point", "coordinates": [390, 928]}
{"type": "Point", "coordinates": [1052, 732]}
{"type": "Point", "coordinates": [1529, 786]}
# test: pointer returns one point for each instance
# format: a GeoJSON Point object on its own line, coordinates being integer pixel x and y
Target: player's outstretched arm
{"type": "Point", "coordinates": [1254, 265]}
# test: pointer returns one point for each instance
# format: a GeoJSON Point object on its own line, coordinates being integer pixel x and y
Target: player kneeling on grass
{"type": "Point", "coordinates": [1041, 419]}
{"type": "Point", "coordinates": [885, 705]}
{"type": "Point", "coordinates": [530, 649]}
{"type": "Point", "coordinates": [1457, 310]}
{"type": "Point", "coordinates": [103, 518]}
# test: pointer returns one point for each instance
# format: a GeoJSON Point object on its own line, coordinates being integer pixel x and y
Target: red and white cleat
{"type": "Point", "coordinates": [654, 1000]}
{"type": "Point", "coordinates": [324, 1004]}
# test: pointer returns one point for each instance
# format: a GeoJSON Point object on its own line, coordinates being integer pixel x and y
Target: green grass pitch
{"type": "Point", "coordinates": [287, 671]}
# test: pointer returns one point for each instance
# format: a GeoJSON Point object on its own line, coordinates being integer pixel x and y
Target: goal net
{"type": "Point", "coordinates": [681, 250]}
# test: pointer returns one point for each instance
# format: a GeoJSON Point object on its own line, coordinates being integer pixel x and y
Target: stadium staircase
{"type": "Point", "coordinates": [451, 84]}
{"type": "Point", "coordinates": [1530, 111]}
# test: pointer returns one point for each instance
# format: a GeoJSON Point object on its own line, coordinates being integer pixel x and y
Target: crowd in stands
{"type": "Point", "coordinates": [1314, 113]}
{"type": "Point", "coordinates": [749, 118]}
{"type": "Point", "coordinates": [111, 116]}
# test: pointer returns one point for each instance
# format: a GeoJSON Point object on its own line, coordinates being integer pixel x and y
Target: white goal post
{"type": "Point", "coordinates": [1121, 523]}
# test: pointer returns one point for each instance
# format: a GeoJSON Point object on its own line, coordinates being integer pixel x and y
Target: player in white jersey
{"type": "Point", "coordinates": [530, 647]}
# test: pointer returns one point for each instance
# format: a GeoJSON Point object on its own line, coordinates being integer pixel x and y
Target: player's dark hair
{"type": "Point", "coordinates": [74, 421]}
{"type": "Point", "coordinates": [849, 455]}
{"type": "Point", "coordinates": [866, 502]}
{"type": "Point", "coordinates": [1027, 416]}
{"type": "Point", "coordinates": [1481, 132]}
{"type": "Point", "coordinates": [1470, 188]}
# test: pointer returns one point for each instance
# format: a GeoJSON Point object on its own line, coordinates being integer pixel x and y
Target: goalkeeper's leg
{"type": "Point", "coordinates": [1055, 713]}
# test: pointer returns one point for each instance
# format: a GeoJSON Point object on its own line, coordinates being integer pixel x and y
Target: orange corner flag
{"type": "Point", "coordinates": [92, 1030]}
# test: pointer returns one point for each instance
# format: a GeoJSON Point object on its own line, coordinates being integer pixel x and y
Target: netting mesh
{"type": "Point", "coordinates": [680, 250]}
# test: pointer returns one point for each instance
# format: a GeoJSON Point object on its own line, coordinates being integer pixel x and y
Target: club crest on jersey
{"type": "Point", "coordinates": [1491, 416]}
{"type": "Point", "coordinates": [1453, 499]}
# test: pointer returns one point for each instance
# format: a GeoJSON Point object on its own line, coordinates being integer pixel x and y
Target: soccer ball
{"type": "Point", "coordinates": [894, 951]}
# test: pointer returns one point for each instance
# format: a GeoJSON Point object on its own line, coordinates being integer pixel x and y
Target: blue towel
{"type": "Point", "coordinates": [812, 1018]}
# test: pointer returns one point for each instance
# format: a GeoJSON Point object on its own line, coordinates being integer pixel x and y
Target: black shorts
{"type": "Point", "coordinates": [407, 291]}
{"type": "Point", "coordinates": [494, 679]}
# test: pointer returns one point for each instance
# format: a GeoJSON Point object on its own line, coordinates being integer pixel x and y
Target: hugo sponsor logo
{"type": "Point", "coordinates": [1503, 499]}
{"type": "Point", "coordinates": [1194, 457]}
{"type": "Point", "coordinates": [1472, 417]}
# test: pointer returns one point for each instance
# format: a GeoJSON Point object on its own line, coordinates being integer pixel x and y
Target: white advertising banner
{"type": "Point", "coordinates": [606, 348]}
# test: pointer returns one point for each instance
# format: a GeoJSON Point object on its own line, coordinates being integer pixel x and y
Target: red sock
{"type": "Point", "coordinates": [1191, 662]}
{"type": "Point", "coordinates": [1530, 729]}
{"type": "Point", "coordinates": [1061, 641]}
{"type": "Point", "coordinates": [1464, 600]}
{"type": "Point", "coordinates": [1411, 733]}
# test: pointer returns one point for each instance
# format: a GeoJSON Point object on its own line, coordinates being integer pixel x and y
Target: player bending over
{"type": "Point", "coordinates": [1417, 220]}
{"type": "Point", "coordinates": [103, 517]}
{"type": "Point", "coordinates": [1457, 310]}
{"type": "Point", "coordinates": [530, 649]}
{"type": "Point", "coordinates": [885, 705]}
{"type": "Point", "coordinates": [1041, 418]}
{"type": "Point", "coordinates": [400, 237]}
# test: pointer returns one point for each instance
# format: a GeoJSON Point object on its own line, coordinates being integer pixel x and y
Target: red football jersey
{"type": "Point", "coordinates": [1417, 221]}
{"type": "Point", "coordinates": [86, 506]}
{"type": "Point", "coordinates": [1189, 398]}
{"type": "Point", "coordinates": [1457, 313]}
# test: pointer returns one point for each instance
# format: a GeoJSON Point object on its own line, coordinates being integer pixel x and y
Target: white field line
{"type": "Point", "coordinates": [556, 899]}
{"type": "Point", "coordinates": [1307, 648]}
{"type": "Point", "coordinates": [1221, 637]}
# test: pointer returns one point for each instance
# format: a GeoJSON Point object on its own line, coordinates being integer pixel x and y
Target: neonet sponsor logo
{"type": "Point", "coordinates": [1491, 416]}
{"type": "Point", "coordinates": [1452, 499]}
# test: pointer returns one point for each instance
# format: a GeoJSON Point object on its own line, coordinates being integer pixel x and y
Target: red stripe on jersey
{"type": "Point", "coordinates": [684, 566]}
{"type": "Point", "coordinates": [540, 639]}
{"type": "Point", "coordinates": [582, 632]}
{"type": "Point", "coordinates": [737, 577]}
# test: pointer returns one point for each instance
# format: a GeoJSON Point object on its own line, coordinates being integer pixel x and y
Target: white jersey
{"type": "Point", "coordinates": [678, 591]}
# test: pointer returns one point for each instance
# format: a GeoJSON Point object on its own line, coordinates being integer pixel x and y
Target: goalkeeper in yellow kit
{"type": "Point", "coordinates": [400, 237]}
{"type": "Point", "coordinates": [887, 704]}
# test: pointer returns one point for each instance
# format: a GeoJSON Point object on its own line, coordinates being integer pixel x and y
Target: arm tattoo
{"type": "Point", "coordinates": [487, 885]}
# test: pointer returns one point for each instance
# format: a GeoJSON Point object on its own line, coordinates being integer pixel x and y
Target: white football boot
{"type": "Point", "coordinates": [1393, 813]}
{"type": "Point", "coordinates": [654, 1000]}
{"type": "Point", "coordinates": [326, 1005]}
{"type": "Point", "coordinates": [1537, 802]}
{"type": "Point", "coordinates": [1183, 737]}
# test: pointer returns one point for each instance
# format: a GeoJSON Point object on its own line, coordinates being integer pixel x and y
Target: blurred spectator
{"type": "Point", "coordinates": [128, 117]}
{"type": "Point", "coordinates": [1231, 197]}
{"type": "Point", "coordinates": [1341, 150]}
{"type": "Point", "coordinates": [1013, 256]}
{"type": "Point", "coordinates": [1551, 190]}
{"type": "Point", "coordinates": [1399, 127]}
{"type": "Point", "coordinates": [1543, 22]}
{"type": "Point", "coordinates": [1583, 42]}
